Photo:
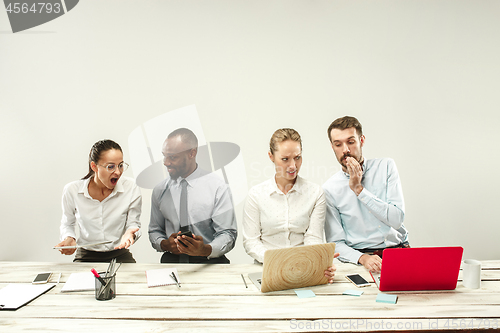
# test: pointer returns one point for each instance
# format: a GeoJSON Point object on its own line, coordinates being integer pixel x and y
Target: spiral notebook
{"type": "Point", "coordinates": [161, 277]}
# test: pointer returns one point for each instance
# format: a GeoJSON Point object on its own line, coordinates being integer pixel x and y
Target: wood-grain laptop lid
{"type": "Point", "coordinates": [296, 267]}
{"type": "Point", "coordinates": [426, 268]}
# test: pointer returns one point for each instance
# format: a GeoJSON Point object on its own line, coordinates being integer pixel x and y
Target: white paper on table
{"type": "Point", "coordinates": [161, 277]}
{"type": "Point", "coordinates": [83, 281]}
{"type": "Point", "coordinates": [15, 295]}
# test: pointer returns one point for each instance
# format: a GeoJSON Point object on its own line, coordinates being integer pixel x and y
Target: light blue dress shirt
{"type": "Point", "coordinates": [374, 219]}
{"type": "Point", "coordinates": [210, 211]}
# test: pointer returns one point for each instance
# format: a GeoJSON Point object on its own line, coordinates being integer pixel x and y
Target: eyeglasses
{"type": "Point", "coordinates": [112, 167]}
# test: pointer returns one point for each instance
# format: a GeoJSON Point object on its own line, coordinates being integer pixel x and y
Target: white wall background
{"type": "Point", "coordinates": [423, 77]}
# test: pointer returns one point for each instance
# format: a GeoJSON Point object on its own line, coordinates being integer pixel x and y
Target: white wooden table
{"type": "Point", "coordinates": [214, 298]}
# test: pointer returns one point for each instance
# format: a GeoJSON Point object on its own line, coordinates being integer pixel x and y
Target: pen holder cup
{"type": "Point", "coordinates": [105, 288]}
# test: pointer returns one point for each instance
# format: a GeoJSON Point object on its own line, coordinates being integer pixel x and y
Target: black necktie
{"type": "Point", "coordinates": [183, 216]}
{"type": "Point", "coordinates": [183, 208]}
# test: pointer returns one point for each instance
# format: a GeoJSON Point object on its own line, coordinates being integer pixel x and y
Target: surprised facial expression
{"type": "Point", "coordinates": [347, 143]}
{"type": "Point", "coordinates": [102, 173]}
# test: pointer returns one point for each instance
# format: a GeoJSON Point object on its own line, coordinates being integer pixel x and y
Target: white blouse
{"type": "Point", "coordinates": [272, 219]}
{"type": "Point", "coordinates": [100, 220]}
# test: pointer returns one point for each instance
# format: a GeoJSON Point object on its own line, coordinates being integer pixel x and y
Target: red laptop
{"type": "Point", "coordinates": [425, 268]}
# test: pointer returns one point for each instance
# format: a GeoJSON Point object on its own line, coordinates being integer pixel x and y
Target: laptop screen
{"type": "Point", "coordinates": [428, 268]}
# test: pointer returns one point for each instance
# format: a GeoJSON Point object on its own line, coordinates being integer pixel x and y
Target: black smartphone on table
{"type": "Point", "coordinates": [42, 278]}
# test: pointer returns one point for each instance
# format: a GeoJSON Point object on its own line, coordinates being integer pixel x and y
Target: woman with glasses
{"type": "Point", "coordinates": [106, 206]}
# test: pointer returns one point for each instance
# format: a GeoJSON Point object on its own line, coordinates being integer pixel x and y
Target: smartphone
{"type": "Point", "coordinates": [42, 278]}
{"type": "Point", "coordinates": [357, 280]}
{"type": "Point", "coordinates": [185, 233]}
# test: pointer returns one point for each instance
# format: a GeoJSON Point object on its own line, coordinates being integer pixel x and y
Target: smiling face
{"type": "Point", "coordinates": [347, 143]}
{"type": "Point", "coordinates": [102, 176]}
{"type": "Point", "coordinates": [178, 157]}
{"type": "Point", "coordinates": [287, 159]}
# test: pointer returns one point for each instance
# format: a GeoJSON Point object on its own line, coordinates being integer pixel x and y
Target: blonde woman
{"type": "Point", "coordinates": [286, 210]}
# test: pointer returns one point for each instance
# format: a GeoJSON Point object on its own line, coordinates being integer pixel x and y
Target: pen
{"type": "Point", "coordinates": [59, 278]}
{"type": "Point", "coordinates": [116, 269]}
{"type": "Point", "coordinates": [175, 279]}
{"type": "Point", "coordinates": [98, 276]}
{"type": "Point", "coordinates": [244, 281]}
{"type": "Point", "coordinates": [111, 266]}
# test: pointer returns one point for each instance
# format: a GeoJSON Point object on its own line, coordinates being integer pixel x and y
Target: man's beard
{"type": "Point", "coordinates": [343, 161]}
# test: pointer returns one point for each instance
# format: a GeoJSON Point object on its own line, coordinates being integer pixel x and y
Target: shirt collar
{"type": "Point", "coordinates": [84, 187]}
{"type": "Point", "coordinates": [297, 187]}
{"type": "Point", "coordinates": [119, 186]}
{"type": "Point", "coordinates": [189, 179]}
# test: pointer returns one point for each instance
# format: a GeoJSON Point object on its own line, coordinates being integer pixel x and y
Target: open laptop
{"type": "Point", "coordinates": [426, 268]}
{"type": "Point", "coordinates": [294, 267]}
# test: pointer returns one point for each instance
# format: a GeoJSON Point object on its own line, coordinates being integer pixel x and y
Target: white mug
{"type": "Point", "coordinates": [471, 274]}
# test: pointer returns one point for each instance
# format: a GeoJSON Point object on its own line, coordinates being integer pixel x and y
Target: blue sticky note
{"type": "Point", "coordinates": [386, 298]}
{"type": "Point", "coordinates": [353, 292]}
{"type": "Point", "coordinates": [305, 293]}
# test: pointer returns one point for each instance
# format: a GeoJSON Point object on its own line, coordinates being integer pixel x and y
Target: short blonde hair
{"type": "Point", "coordinates": [281, 135]}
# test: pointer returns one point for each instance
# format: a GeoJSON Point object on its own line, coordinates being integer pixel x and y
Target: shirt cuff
{"type": "Point", "coordinates": [365, 196]}
{"type": "Point", "coordinates": [64, 236]}
{"type": "Point", "coordinates": [347, 253]}
{"type": "Point", "coordinates": [157, 245]}
{"type": "Point", "coordinates": [355, 256]}
{"type": "Point", "coordinates": [137, 234]}
{"type": "Point", "coordinates": [218, 249]}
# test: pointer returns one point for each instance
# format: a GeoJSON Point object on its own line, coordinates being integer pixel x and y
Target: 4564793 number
{"type": "Point", "coordinates": [471, 323]}
{"type": "Point", "coordinates": [35, 8]}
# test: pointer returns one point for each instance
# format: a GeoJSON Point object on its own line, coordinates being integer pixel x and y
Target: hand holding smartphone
{"type": "Point", "coordinates": [42, 278]}
{"type": "Point", "coordinates": [184, 233]}
{"type": "Point", "coordinates": [357, 280]}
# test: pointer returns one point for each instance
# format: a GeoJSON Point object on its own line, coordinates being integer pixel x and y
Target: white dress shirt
{"type": "Point", "coordinates": [371, 220]}
{"type": "Point", "coordinates": [210, 211]}
{"type": "Point", "coordinates": [100, 221]}
{"type": "Point", "coordinates": [272, 219]}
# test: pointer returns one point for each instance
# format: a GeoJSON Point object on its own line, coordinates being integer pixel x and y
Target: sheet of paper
{"type": "Point", "coordinates": [83, 281]}
{"type": "Point", "coordinates": [305, 293]}
{"type": "Point", "coordinates": [386, 298]}
{"type": "Point", "coordinates": [353, 292]}
{"type": "Point", "coordinates": [161, 277]}
{"type": "Point", "coordinates": [13, 296]}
